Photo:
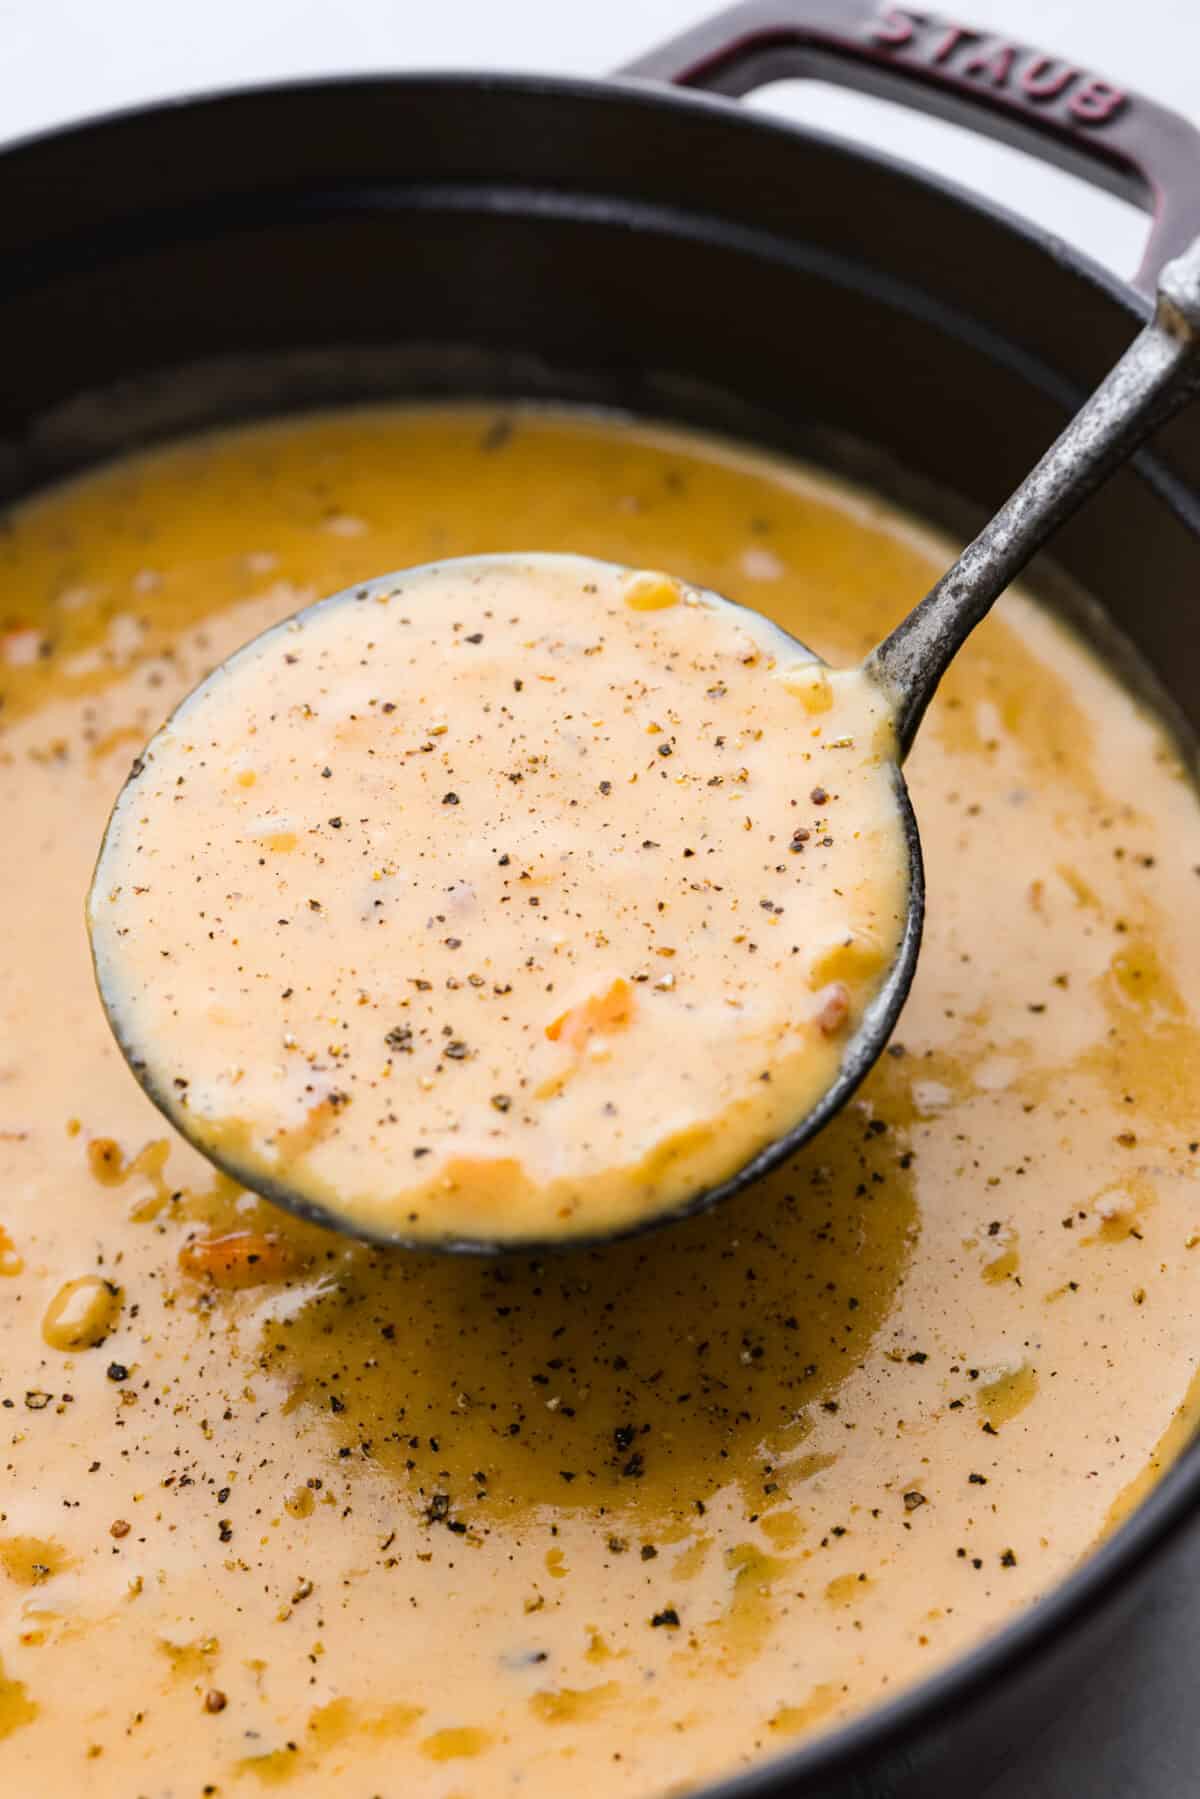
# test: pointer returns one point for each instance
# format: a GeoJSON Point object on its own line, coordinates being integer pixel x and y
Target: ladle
{"type": "Point", "coordinates": [1156, 376]}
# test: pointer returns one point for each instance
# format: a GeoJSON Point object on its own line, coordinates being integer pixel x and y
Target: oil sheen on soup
{"type": "Point", "coordinates": [282, 1511]}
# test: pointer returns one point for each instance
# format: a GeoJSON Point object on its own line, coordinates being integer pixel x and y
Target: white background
{"type": "Point", "coordinates": [1134, 1731]}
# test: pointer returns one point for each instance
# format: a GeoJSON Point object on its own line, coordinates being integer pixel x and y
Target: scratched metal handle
{"type": "Point", "coordinates": [1157, 375]}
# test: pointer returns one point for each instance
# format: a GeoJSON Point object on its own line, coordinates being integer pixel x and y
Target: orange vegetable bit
{"type": "Point", "coordinates": [598, 1016]}
{"type": "Point", "coordinates": [240, 1259]}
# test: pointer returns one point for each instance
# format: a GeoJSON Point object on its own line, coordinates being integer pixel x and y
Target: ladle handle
{"type": "Point", "coordinates": [1157, 375]}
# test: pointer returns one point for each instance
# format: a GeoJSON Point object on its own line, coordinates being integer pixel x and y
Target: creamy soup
{"type": "Point", "coordinates": [280, 1511]}
{"type": "Point", "coordinates": [509, 899]}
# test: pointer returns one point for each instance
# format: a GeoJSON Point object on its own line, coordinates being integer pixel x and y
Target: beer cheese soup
{"type": "Point", "coordinates": [503, 899]}
{"type": "Point", "coordinates": [284, 1513]}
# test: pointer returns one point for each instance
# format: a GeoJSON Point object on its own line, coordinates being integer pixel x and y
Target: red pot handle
{"type": "Point", "coordinates": [1059, 110]}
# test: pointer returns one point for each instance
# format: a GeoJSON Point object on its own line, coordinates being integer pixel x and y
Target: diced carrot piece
{"type": "Point", "coordinates": [239, 1259]}
{"type": "Point", "coordinates": [601, 1015]}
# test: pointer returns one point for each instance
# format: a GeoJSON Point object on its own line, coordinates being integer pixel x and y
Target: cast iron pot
{"type": "Point", "coordinates": [657, 249]}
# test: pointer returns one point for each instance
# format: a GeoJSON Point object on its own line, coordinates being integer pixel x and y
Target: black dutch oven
{"type": "Point", "coordinates": [643, 244]}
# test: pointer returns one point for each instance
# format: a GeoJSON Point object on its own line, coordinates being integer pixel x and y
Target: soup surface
{"type": "Point", "coordinates": [280, 1511]}
{"type": "Point", "coordinates": [567, 822]}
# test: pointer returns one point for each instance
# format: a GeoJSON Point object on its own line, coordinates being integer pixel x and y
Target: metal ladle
{"type": "Point", "coordinates": [1157, 375]}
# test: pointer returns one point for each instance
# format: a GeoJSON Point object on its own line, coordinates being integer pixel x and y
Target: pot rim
{"type": "Point", "coordinates": [1168, 1509]}
{"type": "Point", "coordinates": [654, 96]}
